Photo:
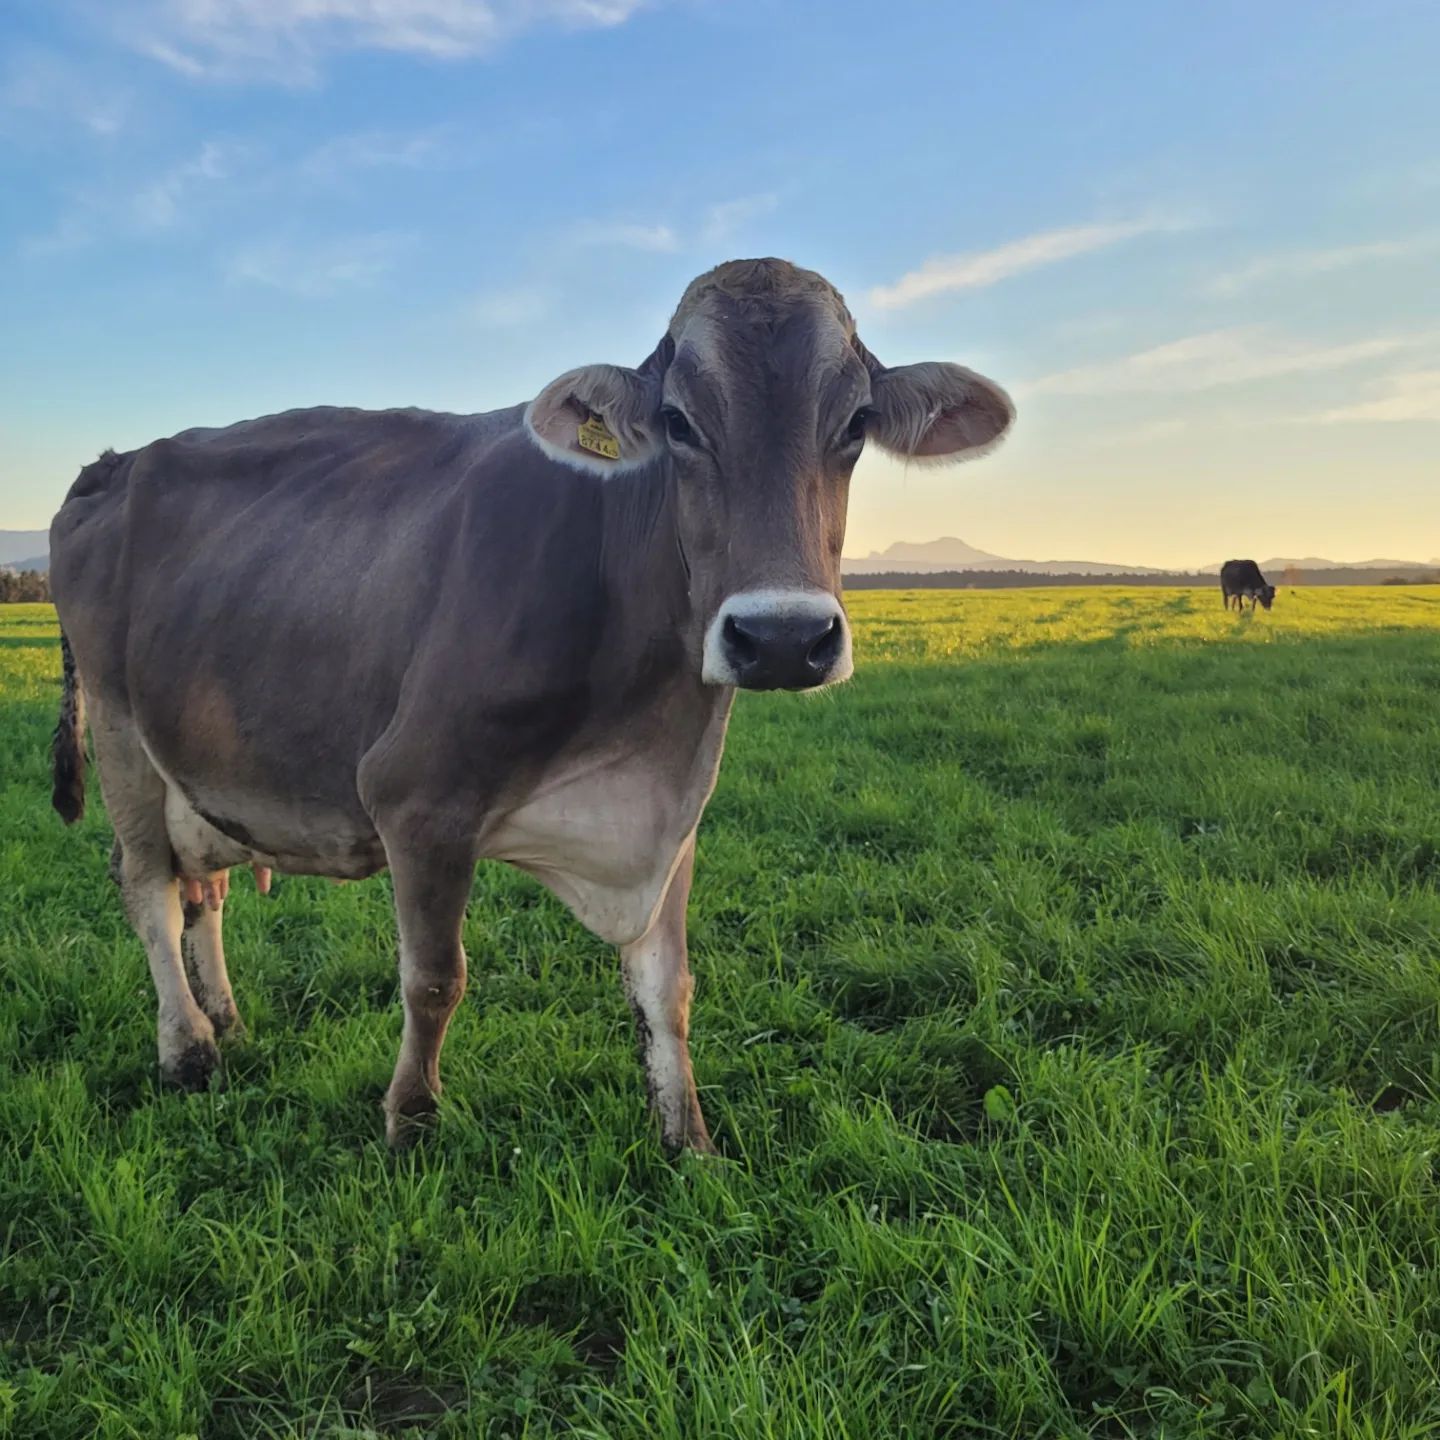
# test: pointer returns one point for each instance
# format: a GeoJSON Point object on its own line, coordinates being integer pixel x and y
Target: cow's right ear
{"type": "Point", "coordinates": [602, 419]}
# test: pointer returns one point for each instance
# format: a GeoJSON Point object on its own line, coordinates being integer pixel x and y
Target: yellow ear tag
{"type": "Point", "coordinates": [595, 437]}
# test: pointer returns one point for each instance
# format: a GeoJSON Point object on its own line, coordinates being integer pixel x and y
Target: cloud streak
{"type": "Point", "coordinates": [976, 269]}
{"type": "Point", "coordinates": [286, 41]}
{"type": "Point", "coordinates": [1212, 359]}
{"type": "Point", "coordinates": [320, 270]}
{"type": "Point", "coordinates": [149, 210]}
{"type": "Point", "coordinates": [1410, 395]}
{"type": "Point", "coordinates": [1300, 264]}
{"type": "Point", "coordinates": [729, 217]}
{"type": "Point", "coordinates": [656, 239]}
{"type": "Point", "coordinates": [513, 309]}
{"type": "Point", "coordinates": [157, 206]}
{"type": "Point", "coordinates": [54, 93]}
{"type": "Point", "coordinates": [717, 226]}
{"type": "Point", "coordinates": [378, 150]}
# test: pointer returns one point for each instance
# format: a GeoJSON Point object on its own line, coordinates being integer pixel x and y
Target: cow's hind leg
{"type": "Point", "coordinates": [204, 950]}
{"type": "Point", "coordinates": [432, 888]}
{"type": "Point", "coordinates": [658, 986]}
{"type": "Point", "coordinates": [135, 798]}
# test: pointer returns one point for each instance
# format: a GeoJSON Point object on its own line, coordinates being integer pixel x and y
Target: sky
{"type": "Point", "coordinates": [1200, 245]}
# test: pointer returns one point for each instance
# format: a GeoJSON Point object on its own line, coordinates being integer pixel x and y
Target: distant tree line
{"type": "Point", "coordinates": [24, 586]}
{"type": "Point", "coordinates": [1007, 579]}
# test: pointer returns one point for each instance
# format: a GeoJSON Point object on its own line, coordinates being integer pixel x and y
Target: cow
{"type": "Point", "coordinates": [335, 641]}
{"type": "Point", "coordinates": [1241, 580]}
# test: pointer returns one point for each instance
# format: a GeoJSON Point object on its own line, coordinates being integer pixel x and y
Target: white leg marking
{"type": "Point", "coordinates": [185, 1035]}
{"type": "Point", "coordinates": [658, 985]}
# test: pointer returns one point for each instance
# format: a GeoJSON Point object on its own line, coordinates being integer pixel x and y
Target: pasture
{"type": "Point", "coordinates": [1068, 1013]}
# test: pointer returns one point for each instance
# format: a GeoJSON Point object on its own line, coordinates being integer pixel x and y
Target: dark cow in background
{"type": "Point", "coordinates": [1241, 580]}
{"type": "Point", "coordinates": [335, 641]}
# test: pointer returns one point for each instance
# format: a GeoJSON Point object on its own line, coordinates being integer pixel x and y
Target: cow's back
{"type": "Point", "coordinates": [267, 581]}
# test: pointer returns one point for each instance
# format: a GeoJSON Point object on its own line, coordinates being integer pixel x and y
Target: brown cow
{"type": "Point", "coordinates": [332, 641]}
{"type": "Point", "coordinates": [1241, 580]}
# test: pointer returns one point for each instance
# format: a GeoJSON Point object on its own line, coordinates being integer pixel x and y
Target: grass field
{"type": "Point", "coordinates": [1068, 1012]}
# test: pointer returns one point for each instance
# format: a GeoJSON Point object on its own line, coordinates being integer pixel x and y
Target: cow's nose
{"type": "Point", "coordinates": [782, 651]}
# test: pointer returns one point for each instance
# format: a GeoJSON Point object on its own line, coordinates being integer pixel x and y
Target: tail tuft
{"type": "Point", "coordinates": [68, 746]}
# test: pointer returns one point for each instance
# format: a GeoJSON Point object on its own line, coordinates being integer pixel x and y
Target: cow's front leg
{"type": "Point", "coordinates": [657, 983]}
{"type": "Point", "coordinates": [432, 887]}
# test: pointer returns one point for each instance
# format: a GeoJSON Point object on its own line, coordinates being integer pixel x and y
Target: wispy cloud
{"type": "Point", "coordinates": [1218, 357]}
{"type": "Point", "coordinates": [147, 209]}
{"type": "Point", "coordinates": [287, 40]}
{"type": "Point", "coordinates": [978, 268]}
{"type": "Point", "coordinates": [38, 88]}
{"type": "Point", "coordinates": [319, 270]}
{"type": "Point", "coordinates": [513, 309]}
{"type": "Point", "coordinates": [1146, 433]}
{"type": "Point", "coordinates": [1297, 264]}
{"type": "Point", "coordinates": [157, 206]}
{"type": "Point", "coordinates": [656, 238]}
{"type": "Point", "coordinates": [1410, 395]}
{"type": "Point", "coordinates": [378, 150]}
{"type": "Point", "coordinates": [718, 224]}
{"type": "Point", "coordinates": [729, 217]}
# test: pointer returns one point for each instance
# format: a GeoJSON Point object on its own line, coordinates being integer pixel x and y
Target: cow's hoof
{"type": "Point", "coordinates": [229, 1027]}
{"type": "Point", "coordinates": [194, 1067]}
{"type": "Point", "coordinates": [701, 1149]}
{"type": "Point", "coordinates": [409, 1120]}
{"type": "Point", "coordinates": [690, 1142]}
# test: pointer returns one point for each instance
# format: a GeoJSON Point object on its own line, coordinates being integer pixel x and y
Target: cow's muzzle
{"type": "Point", "coordinates": [777, 640]}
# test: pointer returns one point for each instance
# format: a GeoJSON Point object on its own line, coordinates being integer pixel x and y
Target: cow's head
{"type": "Point", "coordinates": [1266, 595]}
{"type": "Point", "coordinates": [757, 403]}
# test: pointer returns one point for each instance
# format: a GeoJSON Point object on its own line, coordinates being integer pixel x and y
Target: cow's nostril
{"type": "Point", "coordinates": [741, 645]}
{"type": "Point", "coordinates": [826, 650]}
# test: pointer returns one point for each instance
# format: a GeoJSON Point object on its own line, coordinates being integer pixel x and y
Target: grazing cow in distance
{"type": "Point", "coordinates": [333, 641]}
{"type": "Point", "coordinates": [1241, 580]}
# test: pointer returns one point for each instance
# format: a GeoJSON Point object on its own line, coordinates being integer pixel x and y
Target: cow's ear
{"type": "Point", "coordinates": [935, 411]}
{"type": "Point", "coordinates": [602, 419]}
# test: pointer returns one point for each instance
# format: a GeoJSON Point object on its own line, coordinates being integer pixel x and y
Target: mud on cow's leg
{"type": "Point", "coordinates": [432, 888]}
{"type": "Point", "coordinates": [203, 947]}
{"type": "Point", "coordinates": [658, 986]}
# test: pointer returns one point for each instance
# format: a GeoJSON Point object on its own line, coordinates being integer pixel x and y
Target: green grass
{"type": "Point", "coordinates": [1069, 1012]}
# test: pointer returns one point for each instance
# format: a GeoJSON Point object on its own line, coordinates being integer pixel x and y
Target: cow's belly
{"type": "Point", "coordinates": [212, 831]}
{"type": "Point", "coordinates": [605, 839]}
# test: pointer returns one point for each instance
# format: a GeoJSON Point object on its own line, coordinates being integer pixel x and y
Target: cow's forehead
{"type": "Point", "coordinates": [758, 290]}
{"type": "Point", "coordinates": [732, 316]}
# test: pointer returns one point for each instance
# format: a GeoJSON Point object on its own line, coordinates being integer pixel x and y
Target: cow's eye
{"type": "Point", "coordinates": [678, 428]}
{"type": "Point", "coordinates": [855, 430]}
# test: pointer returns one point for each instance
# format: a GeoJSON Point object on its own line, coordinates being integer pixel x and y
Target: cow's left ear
{"type": "Point", "coordinates": [935, 411]}
{"type": "Point", "coordinates": [602, 419]}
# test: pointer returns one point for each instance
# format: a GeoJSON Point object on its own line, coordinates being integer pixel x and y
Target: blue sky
{"type": "Point", "coordinates": [1200, 244]}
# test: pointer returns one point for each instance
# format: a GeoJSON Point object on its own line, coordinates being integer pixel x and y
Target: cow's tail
{"type": "Point", "coordinates": [68, 746]}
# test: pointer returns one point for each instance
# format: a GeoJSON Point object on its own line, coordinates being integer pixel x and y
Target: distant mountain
{"type": "Point", "coordinates": [949, 554]}
{"type": "Point", "coordinates": [17, 545]}
{"type": "Point", "coordinates": [35, 562]}
{"type": "Point", "coordinates": [929, 556]}
{"type": "Point", "coordinates": [1314, 562]}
